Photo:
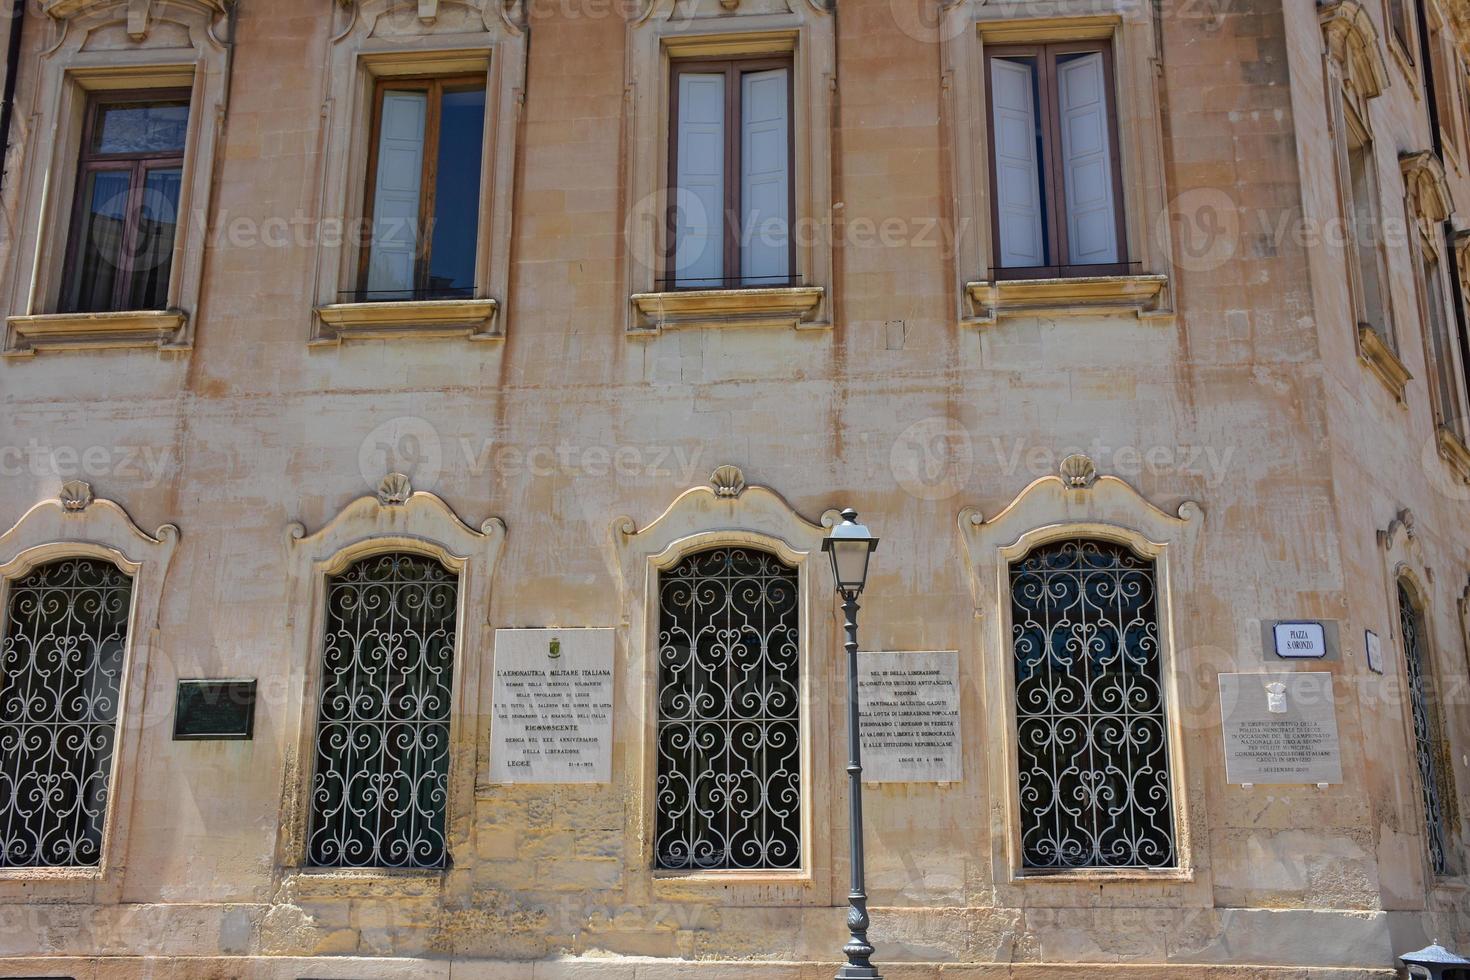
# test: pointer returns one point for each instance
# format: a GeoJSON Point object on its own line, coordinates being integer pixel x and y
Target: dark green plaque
{"type": "Point", "coordinates": [214, 710]}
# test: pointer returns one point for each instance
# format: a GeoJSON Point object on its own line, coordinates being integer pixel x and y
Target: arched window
{"type": "Point", "coordinates": [729, 746]}
{"type": "Point", "coordinates": [1091, 734]}
{"type": "Point", "coordinates": [61, 666]}
{"type": "Point", "coordinates": [1426, 727]}
{"type": "Point", "coordinates": [382, 738]}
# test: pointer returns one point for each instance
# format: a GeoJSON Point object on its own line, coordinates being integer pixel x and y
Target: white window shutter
{"type": "Point", "coordinates": [1087, 166]}
{"type": "Point", "coordinates": [765, 180]}
{"type": "Point", "coordinates": [396, 197]}
{"type": "Point", "coordinates": [699, 199]}
{"type": "Point", "coordinates": [1017, 167]}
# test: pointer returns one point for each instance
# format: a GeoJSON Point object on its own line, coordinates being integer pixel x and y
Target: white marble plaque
{"type": "Point", "coordinates": [1280, 728]}
{"type": "Point", "coordinates": [553, 706]}
{"type": "Point", "coordinates": [910, 716]}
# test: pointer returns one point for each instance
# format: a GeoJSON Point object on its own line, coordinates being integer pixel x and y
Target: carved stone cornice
{"type": "Point", "coordinates": [1424, 183]}
{"type": "Point", "coordinates": [139, 12]}
{"type": "Point", "coordinates": [1352, 41]}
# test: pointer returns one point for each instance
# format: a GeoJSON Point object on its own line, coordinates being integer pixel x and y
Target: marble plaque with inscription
{"type": "Point", "coordinates": [910, 716]}
{"type": "Point", "coordinates": [552, 706]}
{"type": "Point", "coordinates": [1280, 728]}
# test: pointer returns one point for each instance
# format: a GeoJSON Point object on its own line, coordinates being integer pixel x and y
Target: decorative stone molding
{"type": "Point", "coordinates": [1402, 522]}
{"type": "Point", "coordinates": [76, 524]}
{"type": "Point", "coordinates": [963, 30]}
{"type": "Point", "coordinates": [1352, 42]}
{"type": "Point", "coordinates": [710, 516]}
{"type": "Point", "coordinates": [470, 318]}
{"type": "Point", "coordinates": [373, 39]}
{"type": "Point", "coordinates": [163, 329]}
{"type": "Point", "coordinates": [394, 490]}
{"type": "Point", "coordinates": [423, 524]}
{"type": "Point", "coordinates": [75, 495]}
{"type": "Point", "coordinates": [1079, 503]}
{"type": "Point", "coordinates": [169, 44]}
{"type": "Point", "coordinates": [1425, 187]}
{"type": "Point", "coordinates": [1145, 297]}
{"type": "Point", "coordinates": [1453, 450]}
{"type": "Point", "coordinates": [727, 481]}
{"type": "Point", "coordinates": [791, 307]}
{"type": "Point", "coordinates": [1374, 352]}
{"type": "Point", "coordinates": [662, 31]}
{"type": "Point", "coordinates": [139, 12]}
{"type": "Point", "coordinates": [1078, 472]}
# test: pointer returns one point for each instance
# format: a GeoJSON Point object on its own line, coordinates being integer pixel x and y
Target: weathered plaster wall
{"type": "Point", "coordinates": [1250, 401]}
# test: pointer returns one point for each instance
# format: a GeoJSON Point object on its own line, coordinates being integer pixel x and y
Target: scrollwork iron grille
{"type": "Point", "coordinates": [1091, 732]}
{"type": "Point", "coordinates": [61, 671]}
{"type": "Point", "coordinates": [1411, 626]}
{"type": "Point", "coordinates": [380, 790]}
{"type": "Point", "coordinates": [729, 747]}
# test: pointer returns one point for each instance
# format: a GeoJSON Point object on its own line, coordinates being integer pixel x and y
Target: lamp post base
{"type": "Point", "coordinates": [852, 972]}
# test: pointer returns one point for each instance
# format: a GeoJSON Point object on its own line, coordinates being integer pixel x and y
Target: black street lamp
{"type": "Point", "coordinates": [849, 546]}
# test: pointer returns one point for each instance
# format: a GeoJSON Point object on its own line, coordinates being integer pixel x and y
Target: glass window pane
{"type": "Point", "coordinates": [99, 250]}
{"type": "Point", "coordinates": [141, 127]}
{"type": "Point", "coordinates": [158, 218]}
{"type": "Point", "coordinates": [400, 168]}
{"type": "Point", "coordinates": [457, 194]}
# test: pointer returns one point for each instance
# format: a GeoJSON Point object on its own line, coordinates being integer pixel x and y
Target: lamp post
{"type": "Point", "coordinates": [849, 546]}
{"type": "Point", "coordinates": [1433, 962]}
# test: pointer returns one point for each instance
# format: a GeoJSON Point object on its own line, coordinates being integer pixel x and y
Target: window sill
{"type": "Point", "coordinates": [474, 319]}
{"type": "Point", "coordinates": [163, 329]}
{"type": "Point", "coordinates": [1078, 296]}
{"type": "Point", "coordinates": [738, 888]}
{"type": "Point", "coordinates": [1454, 451]}
{"type": "Point", "coordinates": [1093, 878]}
{"type": "Point", "coordinates": [1382, 361]}
{"type": "Point", "coordinates": [398, 883]}
{"type": "Point", "coordinates": [785, 306]}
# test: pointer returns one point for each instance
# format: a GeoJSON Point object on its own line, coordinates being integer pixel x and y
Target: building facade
{"type": "Point", "coordinates": [346, 341]}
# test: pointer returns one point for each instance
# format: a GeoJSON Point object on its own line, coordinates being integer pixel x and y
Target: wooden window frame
{"type": "Point", "coordinates": [137, 165]}
{"type": "Point", "coordinates": [434, 86]}
{"type": "Point", "coordinates": [732, 68]}
{"type": "Point", "coordinates": [1052, 181]}
{"type": "Point", "coordinates": [1401, 29]}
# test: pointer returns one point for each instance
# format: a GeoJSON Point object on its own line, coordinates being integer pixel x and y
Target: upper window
{"type": "Point", "coordinates": [729, 728]}
{"type": "Point", "coordinates": [1444, 348]}
{"type": "Point", "coordinates": [379, 793]}
{"type": "Point", "coordinates": [730, 168]}
{"type": "Point", "coordinates": [1427, 745]}
{"type": "Point", "coordinates": [1365, 233]}
{"type": "Point", "coordinates": [127, 203]}
{"type": "Point", "coordinates": [423, 199]}
{"type": "Point", "coordinates": [1091, 735]}
{"type": "Point", "coordinates": [61, 664]}
{"type": "Point", "coordinates": [1401, 27]}
{"type": "Point", "coordinates": [1056, 185]}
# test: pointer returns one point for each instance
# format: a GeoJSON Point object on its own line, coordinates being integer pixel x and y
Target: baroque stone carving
{"type": "Point", "coordinates": [139, 12]}
{"type": "Point", "coordinates": [75, 495]}
{"type": "Point", "coordinates": [1078, 471]}
{"type": "Point", "coordinates": [728, 481]}
{"type": "Point", "coordinates": [394, 490]}
{"type": "Point", "coordinates": [1403, 521]}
